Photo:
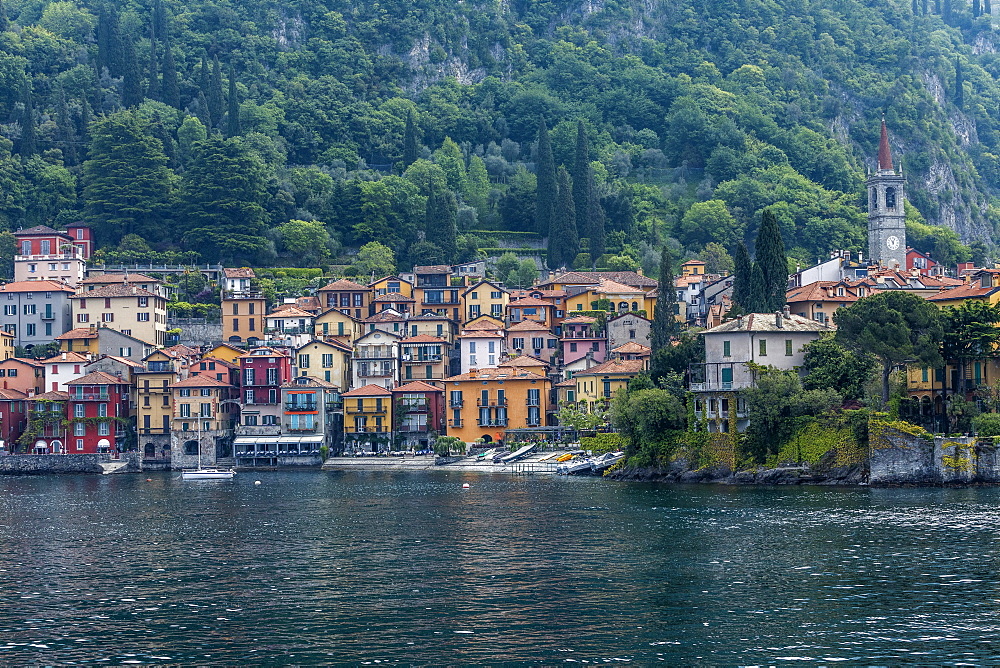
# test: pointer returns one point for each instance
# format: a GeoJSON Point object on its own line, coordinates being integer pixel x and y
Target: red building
{"type": "Point", "coordinates": [921, 261]}
{"type": "Point", "coordinates": [48, 413]}
{"type": "Point", "coordinates": [93, 397]}
{"type": "Point", "coordinates": [23, 375]}
{"type": "Point", "coordinates": [13, 418]}
{"type": "Point", "coordinates": [419, 407]}
{"type": "Point", "coordinates": [263, 371]}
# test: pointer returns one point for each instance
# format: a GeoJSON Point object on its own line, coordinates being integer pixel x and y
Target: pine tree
{"type": "Point", "coordinates": [171, 89]}
{"type": "Point", "coordinates": [582, 181]}
{"type": "Point", "coordinates": [153, 90]}
{"type": "Point", "coordinates": [565, 235]}
{"type": "Point", "coordinates": [664, 326]}
{"type": "Point", "coordinates": [596, 220]}
{"type": "Point", "coordinates": [215, 101]}
{"type": "Point", "coordinates": [959, 85]}
{"type": "Point", "coordinates": [131, 83]}
{"type": "Point", "coordinates": [546, 190]}
{"type": "Point", "coordinates": [772, 261]}
{"type": "Point", "coordinates": [757, 296]}
{"type": "Point", "coordinates": [159, 130]}
{"type": "Point", "coordinates": [233, 111]}
{"type": "Point", "coordinates": [26, 145]}
{"type": "Point", "coordinates": [411, 148]}
{"type": "Point", "coordinates": [741, 278]}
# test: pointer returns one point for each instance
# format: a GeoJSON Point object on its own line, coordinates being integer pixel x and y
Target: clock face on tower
{"type": "Point", "coordinates": [892, 242]}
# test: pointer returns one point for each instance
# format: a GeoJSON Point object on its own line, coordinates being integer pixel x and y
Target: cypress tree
{"type": "Point", "coordinates": [937, 6]}
{"type": "Point", "coordinates": [64, 128]}
{"type": "Point", "coordinates": [959, 85]}
{"type": "Point", "coordinates": [214, 95]}
{"type": "Point", "coordinates": [26, 144]}
{"type": "Point", "coordinates": [914, 7]}
{"type": "Point", "coordinates": [741, 278]}
{"type": "Point", "coordinates": [153, 90]}
{"type": "Point", "coordinates": [115, 54]}
{"type": "Point", "coordinates": [595, 219]}
{"type": "Point", "coordinates": [131, 84]}
{"type": "Point", "coordinates": [233, 111]}
{"type": "Point", "coordinates": [171, 89]}
{"type": "Point", "coordinates": [757, 297]}
{"type": "Point", "coordinates": [202, 111]}
{"type": "Point", "coordinates": [440, 220]}
{"type": "Point", "coordinates": [582, 181]}
{"type": "Point", "coordinates": [987, 7]}
{"type": "Point", "coordinates": [546, 190]}
{"type": "Point", "coordinates": [772, 261]}
{"type": "Point", "coordinates": [924, 6]}
{"type": "Point", "coordinates": [159, 21]}
{"type": "Point", "coordinates": [4, 23]}
{"type": "Point", "coordinates": [664, 325]}
{"type": "Point", "coordinates": [946, 14]}
{"type": "Point", "coordinates": [976, 10]}
{"type": "Point", "coordinates": [203, 81]}
{"type": "Point", "coordinates": [565, 233]}
{"type": "Point", "coordinates": [411, 149]}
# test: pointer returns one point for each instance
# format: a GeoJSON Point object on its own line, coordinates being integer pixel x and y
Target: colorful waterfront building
{"type": "Point", "coordinates": [204, 413]}
{"type": "Point", "coordinates": [419, 407]}
{"type": "Point", "coordinates": [484, 403]}
{"type": "Point", "coordinates": [368, 418]}
{"type": "Point", "coordinates": [99, 413]}
{"type": "Point", "coordinates": [596, 386]}
{"type": "Point", "coordinates": [263, 371]}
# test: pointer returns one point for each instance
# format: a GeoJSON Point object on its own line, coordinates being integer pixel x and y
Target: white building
{"type": "Point", "coordinates": [767, 339]}
{"type": "Point", "coordinates": [376, 360]}
{"type": "Point", "coordinates": [481, 346]}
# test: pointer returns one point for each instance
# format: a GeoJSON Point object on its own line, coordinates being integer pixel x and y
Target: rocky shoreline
{"type": "Point", "coordinates": [679, 472]}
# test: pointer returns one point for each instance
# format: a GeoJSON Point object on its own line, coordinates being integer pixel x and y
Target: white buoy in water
{"type": "Point", "coordinates": [465, 486]}
{"type": "Point", "coordinates": [256, 482]}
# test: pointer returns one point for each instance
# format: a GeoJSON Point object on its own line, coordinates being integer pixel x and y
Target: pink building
{"type": "Point", "coordinates": [580, 338]}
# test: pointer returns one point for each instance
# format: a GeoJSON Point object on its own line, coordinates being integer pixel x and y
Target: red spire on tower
{"type": "Point", "coordinates": [884, 156]}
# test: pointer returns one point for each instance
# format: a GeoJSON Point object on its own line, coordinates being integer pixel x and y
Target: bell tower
{"type": "Point", "coordinates": [886, 218]}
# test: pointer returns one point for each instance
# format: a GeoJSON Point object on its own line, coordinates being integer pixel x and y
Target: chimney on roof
{"type": "Point", "coordinates": [474, 372]}
{"type": "Point", "coordinates": [64, 357]}
{"type": "Point", "coordinates": [788, 311]}
{"type": "Point", "coordinates": [777, 320]}
{"type": "Point", "coordinates": [92, 328]}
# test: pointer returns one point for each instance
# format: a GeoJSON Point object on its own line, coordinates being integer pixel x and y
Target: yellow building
{"type": "Point", "coordinates": [596, 386]}
{"type": "Point", "coordinates": [80, 340]}
{"type": "Point", "coordinates": [368, 418]}
{"type": "Point", "coordinates": [243, 317]}
{"type": "Point", "coordinates": [6, 345]}
{"type": "Point", "coordinates": [391, 285]}
{"type": "Point", "coordinates": [969, 292]}
{"type": "Point", "coordinates": [484, 298]}
{"type": "Point", "coordinates": [203, 415]}
{"type": "Point", "coordinates": [124, 308]}
{"type": "Point", "coordinates": [484, 403]}
{"type": "Point", "coordinates": [693, 268]}
{"type": "Point", "coordinates": [329, 361]}
{"type": "Point", "coordinates": [226, 352]}
{"type": "Point", "coordinates": [620, 298]}
{"type": "Point", "coordinates": [154, 410]}
{"type": "Point", "coordinates": [346, 296]}
{"type": "Point", "coordinates": [333, 323]}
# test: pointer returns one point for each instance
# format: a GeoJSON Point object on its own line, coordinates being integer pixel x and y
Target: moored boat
{"type": "Point", "coordinates": [207, 474]}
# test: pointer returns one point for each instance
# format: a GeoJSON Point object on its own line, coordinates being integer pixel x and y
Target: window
{"type": "Point", "coordinates": [29, 329]}
{"type": "Point", "coordinates": [10, 310]}
{"type": "Point", "coordinates": [727, 375]}
{"type": "Point", "coordinates": [327, 361]}
{"type": "Point", "coordinates": [185, 392]}
{"type": "Point", "coordinates": [472, 346]}
{"type": "Point", "coordinates": [83, 303]}
{"type": "Point", "coordinates": [496, 310]}
{"type": "Point", "coordinates": [206, 410]}
{"type": "Point", "coordinates": [492, 346]}
{"type": "Point", "coordinates": [236, 308]}
{"type": "Point", "coordinates": [143, 302]}
{"type": "Point", "coordinates": [253, 324]}
{"type": "Point", "coordinates": [358, 299]}
{"type": "Point", "coordinates": [107, 302]}
{"type": "Point", "coordinates": [890, 198]}
{"type": "Point", "coordinates": [572, 347]}
{"type": "Point", "coordinates": [29, 309]}
{"type": "Point", "coordinates": [80, 429]}
{"type": "Point", "coordinates": [79, 444]}
{"type": "Point", "coordinates": [102, 410]}
{"type": "Point", "coordinates": [186, 410]}
{"type": "Point", "coordinates": [537, 342]}
{"type": "Point", "coordinates": [249, 376]}
{"type": "Point", "coordinates": [303, 361]}
{"type": "Point", "coordinates": [79, 410]}
{"type": "Point", "coordinates": [206, 392]}
{"type": "Point", "coordinates": [250, 420]}
{"type": "Point", "coordinates": [763, 347]}
{"type": "Point", "coordinates": [248, 397]}
{"type": "Point", "coordinates": [496, 295]}
{"type": "Point", "coordinates": [272, 376]}
{"type": "Point", "coordinates": [107, 317]}
{"type": "Point", "coordinates": [103, 428]}
{"type": "Point", "coordinates": [788, 347]}
{"type": "Point", "coordinates": [125, 352]}
{"type": "Point", "coordinates": [517, 343]}
{"type": "Point", "coordinates": [269, 420]}
{"type": "Point", "coordinates": [924, 374]}
{"type": "Point", "coordinates": [142, 317]}
{"type": "Point", "coordinates": [475, 295]}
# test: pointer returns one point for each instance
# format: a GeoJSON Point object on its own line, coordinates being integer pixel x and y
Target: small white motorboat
{"type": "Point", "coordinates": [207, 474]}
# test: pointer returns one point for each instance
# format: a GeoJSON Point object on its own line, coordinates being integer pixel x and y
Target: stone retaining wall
{"type": "Point", "coordinates": [38, 464]}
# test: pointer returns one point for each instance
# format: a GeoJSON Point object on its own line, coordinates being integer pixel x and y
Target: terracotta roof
{"type": "Point", "coordinates": [580, 320]}
{"type": "Point", "coordinates": [71, 357]}
{"type": "Point", "coordinates": [12, 395]}
{"type": "Point", "coordinates": [484, 325]}
{"type": "Point", "coordinates": [344, 285]}
{"type": "Point", "coordinates": [180, 350]}
{"type": "Point", "coordinates": [340, 345]}
{"type": "Point", "coordinates": [692, 262]}
{"type": "Point", "coordinates": [267, 352]}
{"type": "Point", "coordinates": [387, 315]}
{"type": "Point", "coordinates": [38, 230]}
{"type": "Point", "coordinates": [544, 294]}
{"type": "Point", "coordinates": [627, 314]}
{"type": "Point", "coordinates": [52, 395]}
{"type": "Point", "coordinates": [336, 309]}
{"type": "Point", "coordinates": [394, 297]}
{"type": "Point", "coordinates": [614, 366]}
{"type": "Point", "coordinates": [368, 391]}
{"type": "Point", "coordinates": [566, 383]}
{"type": "Point", "coordinates": [485, 282]}
{"type": "Point", "coordinates": [36, 286]}
{"type": "Point", "coordinates": [528, 326]}
{"type": "Point", "coordinates": [684, 281]}
{"type": "Point", "coordinates": [593, 277]}
{"type": "Point", "coordinates": [390, 278]}
{"type": "Point", "coordinates": [78, 333]}
{"type": "Point", "coordinates": [632, 348]}
{"type": "Point", "coordinates": [500, 373]}
{"type": "Point", "coordinates": [228, 365]}
{"type": "Point", "coordinates": [119, 278]}
{"type": "Point", "coordinates": [423, 338]}
{"type": "Point", "coordinates": [291, 312]}
{"type": "Point", "coordinates": [417, 386]}
{"type": "Point", "coordinates": [767, 322]}
{"type": "Point", "coordinates": [121, 360]}
{"type": "Point", "coordinates": [969, 291]}
{"type": "Point", "coordinates": [239, 272]}
{"type": "Point", "coordinates": [23, 360]}
{"type": "Point", "coordinates": [523, 361]}
{"type": "Point", "coordinates": [433, 269]}
{"type": "Point", "coordinates": [430, 316]}
{"type": "Point", "coordinates": [97, 378]}
{"type": "Point", "coordinates": [115, 290]}
{"type": "Point", "coordinates": [202, 380]}
{"type": "Point", "coordinates": [529, 301]}
{"type": "Point", "coordinates": [607, 285]}
{"type": "Point", "coordinates": [822, 291]}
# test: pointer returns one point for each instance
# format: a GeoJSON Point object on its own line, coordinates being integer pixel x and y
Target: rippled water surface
{"type": "Point", "coordinates": [408, 568]}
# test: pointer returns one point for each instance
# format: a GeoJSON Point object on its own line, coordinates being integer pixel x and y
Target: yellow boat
{"type": "Point", "coordinates": [565, 458]}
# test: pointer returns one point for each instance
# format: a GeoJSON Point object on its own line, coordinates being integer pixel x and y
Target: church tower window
{"type": "Point", "coordinates": [890, 198]}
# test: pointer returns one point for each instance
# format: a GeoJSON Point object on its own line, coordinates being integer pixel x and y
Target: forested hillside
{"type": "Point", "coordinates": [267, 132]}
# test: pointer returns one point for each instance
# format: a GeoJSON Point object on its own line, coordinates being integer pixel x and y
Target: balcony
{"type": "Point", "coordinates": [56, 257]}
{"type": "Point", "coordinates": [255, 430]}
{"type": "Point", "coordinates": [456, 403]}
{"type": "Point", "coordinates": [418, 359]}
{"type": "Point", "coordinates": [300, 429]}
{"type": "Point", "coordinates": [492, 423]}
{"type": "Point", "coordinates": [369, 430]}
{"type": "Point", "coordinates": [414, 428]}
{"type": "Point", "coordinates": [712, 386]}
{"type": "Point", "coordinates": [47, 315]}
{"type": "Point", "coordinates": [367, 411]}
{"type": "Point", "coordinates": [415, 406]}
{"type": "Point", "coordinates": [246, 293]}
{"type": "Point", "coordinates": [455, 423]}
{"type": "Point", "coordinates": [334, 405]}
{"type": "Point", "coordinates": [89, 396]}
{"type": "Point", "coordinates": [309, 406]}
{"type": "Point", "coordinates": [491, 402]}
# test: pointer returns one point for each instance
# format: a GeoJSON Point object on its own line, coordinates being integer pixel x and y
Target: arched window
{"type": "Point", "coordinates": [149, 450]}
{"type": "Point", "coordinates": [890, 198]}
{"type": "Point", "coordinates": [635, 306]}
{"type": "Point", "coordinates": [623, 306]}
{"type": "Point", "coordinates": [191, 447]}
{"type": "Point", "coordinates": [874, 198]}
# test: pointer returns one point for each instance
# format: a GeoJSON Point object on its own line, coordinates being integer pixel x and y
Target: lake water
{"type": "Point", "coordinates": [312, 567]}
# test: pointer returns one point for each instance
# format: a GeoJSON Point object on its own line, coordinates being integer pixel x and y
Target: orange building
{"type": "Point", "coordinates": [486, 403]}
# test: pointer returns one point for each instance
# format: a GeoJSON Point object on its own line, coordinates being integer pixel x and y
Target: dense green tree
{"type": "Point", "coordinates": [449, 158]}
{"type": "Point", "coordinates": [131, 76]}
{"type": "Point", "coordinates": [709, 221]}
{"type": "Point", "coordinates": [505, 268]}
{"type": "Point", "coordinates": [26, 145]}
{"type": "Point", "coordinates": [829, 365]}
{"type": "Point", "coordinates": [758, 294]}
{"type": "Point", "coordinates": [970, 333]}
{"type": "Point", "coordinates": [411, 145]}
{"type": "Point", "coordinates": [664, 327]}
{"type": "Point", "coordinates": [393, 211]}
{"type": "Point", "coordinates": [546, 189]}
{"type": "Point", "coordinates": [477, 187]}
{"type": "Point", "coordinates": [127, 186]}
{"type": "Point", "coordinates": [214, 93]}
{"type": "Point", "coordinates": [440, 221]}
{"type": "Point", "coordinates": [8, 249]}
{"type": "Point", "coordinates": [717, 260]}
{"type": "Point", "coordinates": [742, 275]}
{"type": "Point", "coordinates": [595, 220]}
{"type": "Point", "coordinates": [375, 259]}
{"type": "Point", "coordinates": [306, 243]}
{"type": "Point", "coordinates": [171, 90]}
{"type": "Point", "coordinates": [222, 197]}
{"type": "Point", "coordinates": [649, 420]}
{"type": "Point", "coordinates": [233, 106]}
{"type": "Point", "coordinates": [893, 326]}
{"type": "Point", "coordinates": [4, 22]}
{"type": "Point", "coordinates": [564, 240]}
{"type": "Point", "coordinates": [110, 53]}
{"type": "Point", "coordinates": [771, 258]}
{"type": "Point", "coordinates": [517, 206]}
{"type": "Point", "coordinates": [526, 274]}
{"type": "Point", "coordinates": [959, 96]}
{"type": "Point", "coordinates": [153, 87]}
{"type": "Point", "coordinates": [582, 181]}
